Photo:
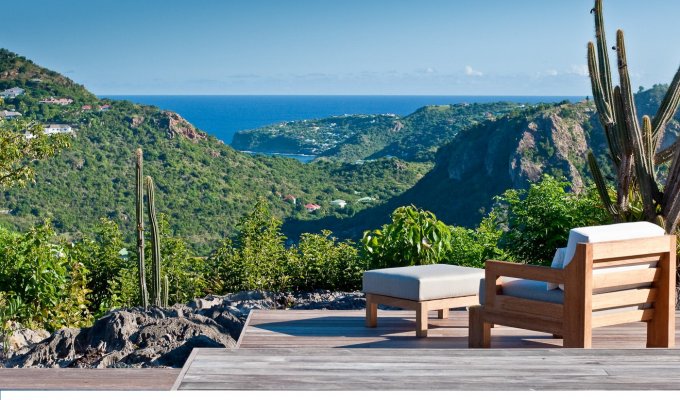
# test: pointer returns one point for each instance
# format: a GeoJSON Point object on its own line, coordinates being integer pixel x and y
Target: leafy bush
{"type": "Point", "coordinates": [322, 262]}
{"type": "Point", "coordinates": [51, 284]}
{"type": "Point", "coordinates": [414, 237]}
{"type": "Point", "coordinates": [187, 274]}
{"type": "Point", "coordinates": [471, 248]}
{"type": "Point", "coordinates": [113, 278]}
{"type": "Point", "coordinates": [257, 259]}
{"type": "Point", "coordinates": [537, 221]}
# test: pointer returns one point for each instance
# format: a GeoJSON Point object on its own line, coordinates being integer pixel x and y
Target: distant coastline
{"type": "Point", "coordinates": [223, 116]}
{"type": "Point", "coordinates": [303, 158]}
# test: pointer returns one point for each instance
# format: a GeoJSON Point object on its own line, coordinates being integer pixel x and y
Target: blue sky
{"type": "Point", "coordinates": [448, 47]}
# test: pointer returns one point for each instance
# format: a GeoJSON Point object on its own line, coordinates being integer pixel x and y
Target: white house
{"type": "Point", "coordinates": [9, 114]}
{"type": "Point", "coordinates": [61, 101]}
{"type": "Point", "coordinates": [12, 93]}
{"type": "Point", "coordinates": [366, 199]}
{"type": "Point", "coordinates": [57, 128]}
{"type": "Point", "coordinates": [339, 203]}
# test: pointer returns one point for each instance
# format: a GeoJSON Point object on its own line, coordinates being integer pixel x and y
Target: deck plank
{"type": "Point", "coordinates": [87, 379]}
{"type": "Point", "coordinates": [433, 369]}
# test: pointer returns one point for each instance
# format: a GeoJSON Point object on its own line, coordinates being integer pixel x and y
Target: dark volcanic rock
{"type": "Point", "coordinates": [164, 337]}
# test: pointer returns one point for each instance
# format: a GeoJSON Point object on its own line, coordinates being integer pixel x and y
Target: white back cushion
{"type": "Point", "coordinates": [608, 233]}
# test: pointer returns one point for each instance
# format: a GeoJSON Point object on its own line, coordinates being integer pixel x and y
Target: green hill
{"type": "Point", "coordinates": [204, 186]}
{"type": "Point", "coordinates": [487, 159]}
{"type": "Point", "coordinates": [415, 137]}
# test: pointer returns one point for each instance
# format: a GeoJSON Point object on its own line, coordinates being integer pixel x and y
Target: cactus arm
{"type": "Point", "coordinates": [603, 105]}
{"type": "Point", "coordinates": [601, 186]}
{"type": "Point", "coordinates": [667, 154]}
{"type": "Point", "coordinates": [671, 200]}
{"type": "Point", "coordinates": [139, 200]}
{"type": "Point", "coordinates": [667, 109]}
{"type": "Point", "coordinates": [165, 290]}
{"type": "Point", "coordinates": [624, 174]}
{"type": "Point", "coordinates": [645, 176]}
{"type": "Point", "coordinates": [603, 56]}
{"type": "Point", "coordinates": [155, 243]}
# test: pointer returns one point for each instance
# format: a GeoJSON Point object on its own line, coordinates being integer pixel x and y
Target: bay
{"type": "Point", "coordinates": [224, 115]}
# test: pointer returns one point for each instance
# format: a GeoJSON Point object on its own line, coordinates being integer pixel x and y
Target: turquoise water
{"type": "Point", "coordinates": [222, 116]}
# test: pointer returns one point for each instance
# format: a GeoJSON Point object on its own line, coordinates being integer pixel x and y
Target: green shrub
{"type": "Point", "coordinates": [51, 285]}
{"type": "Point", "coordinates": [414, 237]}
{"type": "Point", "coordinates": [471, 248]}
{"type": "Point", "coordinates": [537, 221]}
{"type": "Point", "coordinates": [113, 278]}
{"type": "Point", "coordinates": [323, 262]}
{"type": "Point", "coordinates": [258, 259]}
{"type": "Point", "coordinates": [187, 274]}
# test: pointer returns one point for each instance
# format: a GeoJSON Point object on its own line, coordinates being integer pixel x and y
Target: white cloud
{"type": "Point", "coordinates": [551, 72]}
{"type": "Point", "coordinates": [469, 71]}
{"type": "Point", "coordinates": [580, 70]}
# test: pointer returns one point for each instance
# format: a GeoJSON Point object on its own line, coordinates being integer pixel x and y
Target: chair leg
{"type": "Point", "coordinates": [661, 330]}
{"type": "Point", "coordinates": [371, 312]}
{"type": "Point", "coordinates": [421, 320]}
{"type": "Point", "coordinates": [479, 332]}
{"type": "Point", "coordinates": [578, 339]}
{"type": "Point", "coordinates": [443, 314]}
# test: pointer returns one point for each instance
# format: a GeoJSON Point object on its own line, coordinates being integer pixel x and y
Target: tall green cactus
{"type": "Point", "coordinates": [155, 244]}
{"type": "Point", "coordinates": [634, 149]}
{"type": "Point", "coordinates": [139, 200]}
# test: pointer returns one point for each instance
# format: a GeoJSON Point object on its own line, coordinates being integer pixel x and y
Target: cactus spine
{"type": "Point", "coordinates": [155, 244]}
{"type": "Point", "coordinates": [139, 200]}
{"type": "Point", "coordinates": [633, 148]}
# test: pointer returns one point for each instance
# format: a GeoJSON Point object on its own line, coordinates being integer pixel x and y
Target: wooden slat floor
{"type": "Point", "coordinates": [396, 329]}
{"type": "Point", "coordinates": [431, 369]}
{"type": "Point", "coordinates": [332, 350]}
{"type": "Point", "coordinates": [87, 379]}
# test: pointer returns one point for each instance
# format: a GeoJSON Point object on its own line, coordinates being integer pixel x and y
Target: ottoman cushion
{"type": "Point", "coordinates": [424, 282]}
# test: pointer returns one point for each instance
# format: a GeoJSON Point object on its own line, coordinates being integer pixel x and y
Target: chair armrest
{"type": "Point", "coordinates": [495, 269]}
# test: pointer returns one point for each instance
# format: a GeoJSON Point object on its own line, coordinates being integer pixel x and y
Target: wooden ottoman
{"type": "Point", "coordinates": [421, 288]}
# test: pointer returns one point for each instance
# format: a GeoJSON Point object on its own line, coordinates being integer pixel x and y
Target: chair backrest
{"type": "Point", "coordinates": [624, 280]}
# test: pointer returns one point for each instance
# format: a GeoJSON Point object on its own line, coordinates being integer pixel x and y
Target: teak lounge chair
{"type": "Point", "coordinates": [607, 281]}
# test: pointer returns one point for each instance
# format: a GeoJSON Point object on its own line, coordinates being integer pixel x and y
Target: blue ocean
{"type": "Point", "coordinates": [222, 116]}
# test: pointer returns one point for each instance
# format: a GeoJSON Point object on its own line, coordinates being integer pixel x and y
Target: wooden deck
{"type": "Point", "coordinates": [396, 329]}
{"type": "Point", "coordinates": [332, 350]}
{"type": "Point", "coordinates": [87, 379]}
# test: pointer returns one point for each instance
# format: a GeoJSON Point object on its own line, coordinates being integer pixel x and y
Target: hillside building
{"type": "Point", "coordinates": [12, 93]}
{"type": "Point", "coordinates": [339, 203]}
{"type": "Point", "coordinates": [310, 207]}
{"type": "Point", "coordinates": [57, 128]}
{"type": "Point", "coordinates": [5, 114]}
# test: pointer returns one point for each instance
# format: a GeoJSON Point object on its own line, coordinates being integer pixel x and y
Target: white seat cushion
{"type": "Point", "coordinates": [424, 282]}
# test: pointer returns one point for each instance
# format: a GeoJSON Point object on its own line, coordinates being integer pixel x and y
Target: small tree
{"type": "Point", "coordinates": [22, 143]}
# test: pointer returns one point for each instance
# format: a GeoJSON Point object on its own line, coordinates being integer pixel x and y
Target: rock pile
{"type": "Point", "coordinates": [164, 337]}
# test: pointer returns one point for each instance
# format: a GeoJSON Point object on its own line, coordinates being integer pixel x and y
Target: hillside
{"type": "Point", "coordinates": [415, 137]}
{"type": "Point", "coordinates": [484, 161]}
{"type": "Point", "coordinates": [204, 186]}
